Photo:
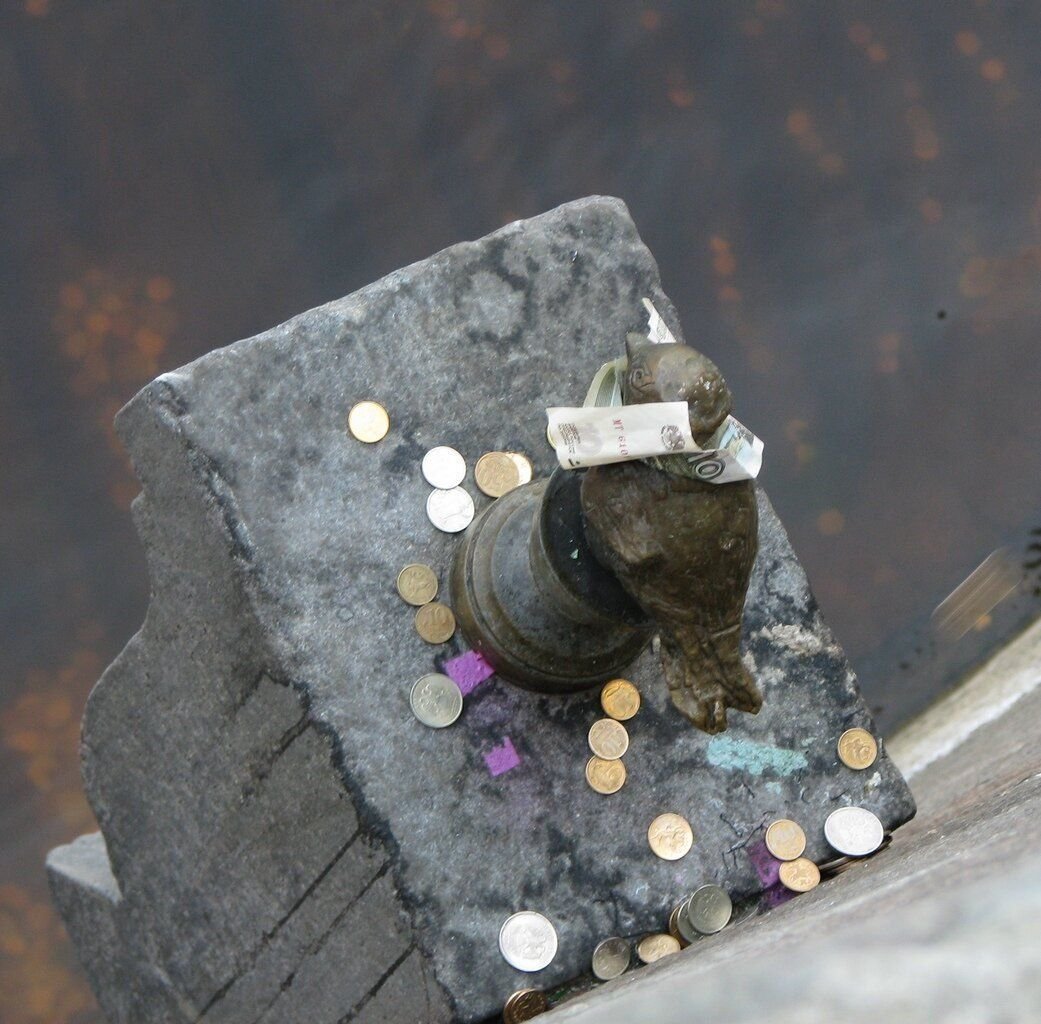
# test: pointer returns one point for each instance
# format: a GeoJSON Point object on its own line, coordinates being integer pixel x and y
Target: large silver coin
{"type": "Point", "coordinates": [451, 510]}
{"type": "Point", "coordinates": [443, 467]}
{"type": "Point", "coordinates": [709, 909]}
{"type": "Point", "coordinates": [854, 831]}
{"type": "Point", "coordinates": [435, 700]}
{"type": "Point", "coordinates": [611, 958]}
{"type": "Point", "coordinates": [528, 941]}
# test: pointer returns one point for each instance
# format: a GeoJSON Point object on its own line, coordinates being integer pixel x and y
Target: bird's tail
{"type": "Point", "coordinates": [706, 675]}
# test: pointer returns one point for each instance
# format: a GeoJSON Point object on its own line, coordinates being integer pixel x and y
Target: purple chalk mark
{"type": "Point", "coordinates": [502, 758]}
{"type": "Point", "coordinates": [776, 895]}
{"type": "Point", "coordinates": [468, 671]}
{"type": "Point", "coordinates": [766, 865]}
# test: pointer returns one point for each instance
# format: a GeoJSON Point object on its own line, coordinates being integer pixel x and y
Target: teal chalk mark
{"type": "Point", "coordinates": [755, 758]}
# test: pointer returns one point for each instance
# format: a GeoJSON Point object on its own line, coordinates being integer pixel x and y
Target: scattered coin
{"type": "Point", "coordinates": [799, 875]}
{"type": "Point", "coordinates": [417, 584]}
{"type": "Point", "coordinates": [654, 947]}
{"type": "Point", "coordinates": [785, 840]}
{"type": "Point", "coordinates": [605, 776]}
{"type": "Point", "coordinates": [368, 422]}
{"type": "Point", "coordinates": [608, 739]}
{"type": "Point", "coordinates": [611, 958]}
{"type": "Point", "coordinates": [523, 464]}
{"type": "Point", "coordinates": [451, 510]}
{"type": "Point", "coordinates": [709, 909]}
{"type": "Point", "coordinates": [435, 622]}
{"type": "Point", "coordinates": [620, 699]}
{"type": "Point", "coordinates": [496, 474]}
{"type": "Point", "coordinates": [524, 1005]}
{"type": "Point", "coordinates": [839, 864]}
{"type": "Point", "coordinates": [435, 700]}
{"type": "Point", "coordinates": [528, 941]}
{"type": "Point", "coordinates": [443, 467]}
{"type": "Point", "coordinates": [857, 749]}
{"type": "Point", "coordinates": [670, 836]}
{"type": "Point", "coordinates": [854, 831]}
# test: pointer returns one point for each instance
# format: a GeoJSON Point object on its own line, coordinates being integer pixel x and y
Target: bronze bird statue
{"type": "Point", "coordinates": [682, 548]}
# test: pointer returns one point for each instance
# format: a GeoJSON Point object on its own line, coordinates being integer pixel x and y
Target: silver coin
{"type": "Point", "coordinates": [709, 909]}
{"type": "Point", "coordinates": [451, 510]}
{"type": "Point", "coordinates": [435, 700]}
{"type": "Point", "coordinates": [611, 958]}
{"type": "Point", "coordinates": [443, 467]}
{"type": "Point", "coordinates": [854, 831]}
{"type": "Point", "coordinates": [528, 941]}
{"type": "Point", "coordinates": [684, 925]}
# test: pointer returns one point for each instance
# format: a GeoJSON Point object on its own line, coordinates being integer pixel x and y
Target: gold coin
{"type": "Point", "coordinates": [435, 622]}
{"type": "Point", "coordinates": [670, 836]}
{"type": "Point", "coordinates": [608, 739]}
{"type": "Point", "coordinates": [857, 749]}
{"type": "Point", "coordinates": [799, 875]}
{"type": "Point", "coordinates": [524, 1005]}
{"type": "Point", "coordinates": [417, 584]}
{"type": "Point", "coordinates": [523, 464]}
{"type": "Point", "coordinates": [620, 699]}
{"type": "Point", "coordinates": [654, 947]}
{"type": "Point", "coordinates": [496, 473]}
{"type": "Point", "coordinates": [785, 840]}
{"type": "Point", "coordinates": [605, 776]}
{"type": "Point", "coordinates": [368, 422]}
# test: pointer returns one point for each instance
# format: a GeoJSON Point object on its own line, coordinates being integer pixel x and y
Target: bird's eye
{"type": "Point", "coordinates": [638, 375]}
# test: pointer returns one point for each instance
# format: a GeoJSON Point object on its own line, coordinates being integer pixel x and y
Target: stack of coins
{"type": "Point", "coordinates": [417, 584]}
{"type": "Point", "coordinates": [705, 911]}
{"type": "Point", "coordinates": [608, 738]}
{"type": "Point", "coordinates": [449, 507]}
{"type": "Point", "coordinates": [787, 842]}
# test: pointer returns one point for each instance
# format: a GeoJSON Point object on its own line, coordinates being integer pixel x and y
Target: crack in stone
{"type": "Point", "coordinates": [316, 945]}
{"type": "Point", "coordinates": [267, 937]}
{"type": "Point", "coordinates": [379, 983]}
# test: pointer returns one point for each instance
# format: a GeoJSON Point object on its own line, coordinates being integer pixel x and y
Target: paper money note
{"type": "Point", "coordinates": [593, 436]}
{"type": "Point", "coordinates": [735, 453]}
{"type": "Point", "coordinates": [657, 330]}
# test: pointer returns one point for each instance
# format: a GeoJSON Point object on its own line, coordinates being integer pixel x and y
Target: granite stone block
{"type": "Point", "coordinates": [282, 840]}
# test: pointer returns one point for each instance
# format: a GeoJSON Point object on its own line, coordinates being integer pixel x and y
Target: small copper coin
{"type": "Point", "coordinates": [620, 699]}
{"type": "Point", "coordinates": [435, 622]}
{"type": "Point", "coordinates": [670, 836]}
{"type": "Point", "coordinates": [654, 947]}
{"type": "Point", "coordinates": [799, 875]}
{"type": "Point", "coordinates": [368, 422]}
{"type": "Point", "coordinates": [524, 1005]}
{"type": "Point", "coordinates": [496, 474]}
{"type": "Point", "coordinates": [785, 840]}
{"type": "Point", "coordinates": [605, 776]}
{"type": "Point", "coordinates": [857, 749]}
{"type": "Point", "coordinates": [417, 584]}
{"type": "Point", "coordinates": [608, 739]}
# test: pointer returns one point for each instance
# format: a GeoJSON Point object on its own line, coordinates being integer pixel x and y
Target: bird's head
{"type": "Point", "coordinates": [676, 373]}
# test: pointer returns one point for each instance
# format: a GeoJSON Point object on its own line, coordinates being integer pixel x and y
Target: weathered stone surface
{"type": "Point", "coordinates": [286, 842]}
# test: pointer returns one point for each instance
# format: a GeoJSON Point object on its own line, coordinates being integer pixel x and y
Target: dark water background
{"type": "Point", "coordinates": [844, 198]}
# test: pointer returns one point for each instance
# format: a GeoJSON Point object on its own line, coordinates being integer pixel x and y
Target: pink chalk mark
{"type": "Point", "coordinates": [502, 758]}
{"type": "Point", "coordinates": [766, 865]}
{"type": "Point", "coordinates": [468, 671]}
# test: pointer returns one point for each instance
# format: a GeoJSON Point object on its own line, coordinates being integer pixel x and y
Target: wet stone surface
{"type": "Point", "coordinates": [272, 811]}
